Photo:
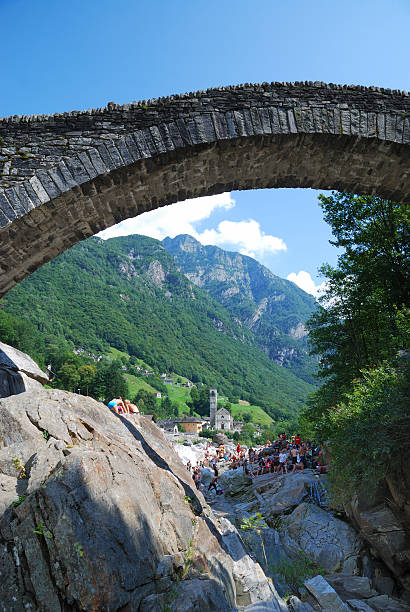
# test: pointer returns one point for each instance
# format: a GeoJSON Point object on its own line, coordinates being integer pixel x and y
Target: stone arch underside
{"type": "Point", "coordinates": [66, 177]}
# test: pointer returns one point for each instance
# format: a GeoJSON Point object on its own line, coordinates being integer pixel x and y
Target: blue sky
{"type": "Point", "coordinates": [60, 56]}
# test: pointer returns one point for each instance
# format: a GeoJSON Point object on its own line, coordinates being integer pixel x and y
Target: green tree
{"type": "Point", "coordinates": [87, 375]}
{"type": "Point", "coordinates": [147, 403]}
{"type": "Point", "coordinates": [167, 407]}
{"type": "Point", "coordinates": [68, 377]}
{"type": "Point", "coordinates": [109, 382]}
{"type": "Point", "coordinates": [357, 326]}
{"type": "Point", "coordinates": [199, 401]}
{"type": "Point", "coordinates": [22, 335]}
{"type": "Point", "coordinates": [372, 425]}
{"type": "Point", "coordinates": [248, 433]}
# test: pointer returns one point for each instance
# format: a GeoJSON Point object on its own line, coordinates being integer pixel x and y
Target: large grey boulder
{"type": "Point", "coordinates": [206, 476]}
{"type": "Point", "coordinates": [236, 484]}
{"type": "Point", "coordinates": [278, 494]}
{"type": "Point", "coordinates": [18, 372]}
{"type": "Point", "coordinates": [257, 590]}
{"type": "Point", "coordinates": [271, 494]}
{"type": "Point", "coordinates": [384, 603]}
{"type": "Point", "coordinates": [220, 438]}
{"type": "Point", "coordinates": [325, 595]}
{"type": "Point", "coordinates": [326, 540]}
{"type": "Point", "coordinates": [106, 516]}
{"type": "Point", "coordinates": [351, 587]}
{"type": "Point", "coordinates": [266, 547]}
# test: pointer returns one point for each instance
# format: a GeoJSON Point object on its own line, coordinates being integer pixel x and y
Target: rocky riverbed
{"type": "Point", "coordinates": [98, 513]}
{"type": "Point", "coordinates": [314, 556]}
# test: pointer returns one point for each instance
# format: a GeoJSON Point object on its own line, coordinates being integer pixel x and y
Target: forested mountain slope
{"type": "Point", "coordinates": [274, 309]}
{"type": "Point", "coordinates": [128, 293]}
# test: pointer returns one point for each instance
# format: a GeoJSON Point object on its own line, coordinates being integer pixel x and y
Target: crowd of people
{"type": "Point", "coordinates": [283, 456]}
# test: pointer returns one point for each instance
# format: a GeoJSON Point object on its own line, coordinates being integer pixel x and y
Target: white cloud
{"type": "Point", "coordinates": [245, 236]}
{"type": "Point", "coordinates": [171, 220]}
{"type": "Point", "coordinates": [180, 218]}
{"type": "Point", "coordinates": [303, 280]}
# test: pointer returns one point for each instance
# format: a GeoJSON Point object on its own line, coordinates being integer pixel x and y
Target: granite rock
{"type": "Point", "coordinates": [18, 372]}
{"type": "Point", "coordinates": [328, 541]}
{"type": "Point", "coordinates": [101, 519]}
{"type": "Point", "coordinates": [325, 595]}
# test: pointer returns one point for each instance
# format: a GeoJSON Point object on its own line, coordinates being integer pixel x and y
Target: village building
{"type": "Point", "coordinates": [220, 418]}
{"type": "Point", "coordinates": [190, 425]}
{"type": "Point", "coordinates": [237, 426]}
{"type": "Point", "coordinates": [168, 425]}
{"type": "Point", "coordinates": [158, 394]}
{"type": "Point", "coordinates": [206, 422]}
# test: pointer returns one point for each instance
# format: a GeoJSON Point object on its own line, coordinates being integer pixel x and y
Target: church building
{"type": "Point", "coordinates": [223, 419]}
{"type": "Point", "coordinates": [220, 418]}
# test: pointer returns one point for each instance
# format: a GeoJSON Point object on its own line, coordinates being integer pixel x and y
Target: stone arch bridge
{"type": "Point", "coordinates": [67, 176]}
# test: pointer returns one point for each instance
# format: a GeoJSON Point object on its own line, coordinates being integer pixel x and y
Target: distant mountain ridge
{"type": "Point", "coordinates": [272, 308]}
{"type": "Point", "coordinates": [128, 293]}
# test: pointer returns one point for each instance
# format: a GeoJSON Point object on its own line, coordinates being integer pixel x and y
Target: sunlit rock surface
{"type": "Point", "coordinates": [101, 514]}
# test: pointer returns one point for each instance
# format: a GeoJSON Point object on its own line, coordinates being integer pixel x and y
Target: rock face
{"type": "Point", "coordinates": [325, 595]}
{"type": "Point", "coordinates": [294, 532]}
{"type": "Point", "coordinates": [105, 517]}
{"type": "Point", "coordinates": [383, 519]}
{"type": "Point", "coordinates": [270, 494]}
{"type": "Point", "coordinates": [18, 372]}
{"type": "Point", "coordinates": [274, 309]}
{"type": "Point", "coordinates": [331, 543]}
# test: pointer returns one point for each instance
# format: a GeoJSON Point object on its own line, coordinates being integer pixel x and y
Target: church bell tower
{"type": "Point", "coordinates": [213, 401]}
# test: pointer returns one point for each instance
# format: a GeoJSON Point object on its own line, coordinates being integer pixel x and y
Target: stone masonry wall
{"type": "Point", "coordinates": [65, 177]}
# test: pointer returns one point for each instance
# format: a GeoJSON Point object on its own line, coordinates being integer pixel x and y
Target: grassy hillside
{"type": "Point", "coordinates": [257, 414]}
{"type": "Point", "coordinates": [179, 396]}
{"type": "Point", "coordinates": [136, 383]}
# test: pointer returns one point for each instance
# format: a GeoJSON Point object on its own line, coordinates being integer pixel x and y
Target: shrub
{"type": "Point", "coordinates": [295, 572]}
{"type": "Point", "coordinates": [371, 428]}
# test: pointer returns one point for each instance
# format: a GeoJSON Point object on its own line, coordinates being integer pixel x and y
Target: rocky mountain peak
{"type": "Point", "coordinates": [184, 242]}
{"type": "Point", "coordinates": [274, 309]}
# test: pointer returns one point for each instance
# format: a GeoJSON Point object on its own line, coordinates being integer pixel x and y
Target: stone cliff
{"type": "Point", "coordinates": [99, 513]}
{"type": "Point", "coordinates": [383, 519]}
